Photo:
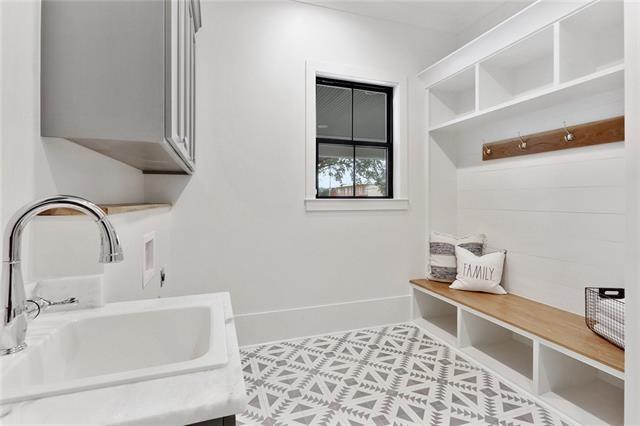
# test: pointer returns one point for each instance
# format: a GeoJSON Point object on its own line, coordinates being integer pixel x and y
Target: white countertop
{"type": "Point", "coordinates": [174, 400]}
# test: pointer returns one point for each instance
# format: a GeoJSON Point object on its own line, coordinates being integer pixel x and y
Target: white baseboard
{"type": "Point", "coordinates": [262, 327]}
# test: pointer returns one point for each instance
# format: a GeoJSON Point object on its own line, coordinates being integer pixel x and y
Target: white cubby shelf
{"type": "Point", "coordinates": [591, 40]}
{"type": "Point", "coordinates": [439, 315]}
{"type": "Point", "coordinates": [523, 68]}
{"type": "Point", "coordinates": [497, 347]}
{"type": "Point", "coordinates": [582, 391]}
{"type": "Point", "coordinates": [581, 54]}
{"type": "Point", "coordinates": [599, 82]}
{"type": "Point", "coordinates": [581, 388]}
{"type": "Point", "coordinates": [453, 98]}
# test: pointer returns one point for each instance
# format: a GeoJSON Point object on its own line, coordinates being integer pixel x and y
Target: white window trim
{"type": "Point", "coordinates": [400, 200]}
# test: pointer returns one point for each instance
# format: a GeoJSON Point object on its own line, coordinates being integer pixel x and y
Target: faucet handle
{"type": "Point", "coordinates": [32, 309]}
{"type": "Point", "coordinates": [36, 305]}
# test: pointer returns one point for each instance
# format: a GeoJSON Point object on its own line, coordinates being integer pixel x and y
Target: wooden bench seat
{"type": "Point", "coordinates": [554, 325]}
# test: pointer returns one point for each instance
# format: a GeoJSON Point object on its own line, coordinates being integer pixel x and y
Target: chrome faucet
{"type": "Point", "coordinates": [12, 292]}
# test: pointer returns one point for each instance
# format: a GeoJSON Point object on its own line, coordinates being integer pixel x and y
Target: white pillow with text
{"type": "Point", "coordinates": [479, 273]}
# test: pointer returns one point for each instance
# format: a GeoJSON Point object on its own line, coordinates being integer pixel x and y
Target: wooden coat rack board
{"type": "Point", "coordinates": [594, 133]}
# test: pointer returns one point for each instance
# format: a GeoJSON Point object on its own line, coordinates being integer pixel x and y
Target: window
{"type": "Point", "coordinates": [391, 150]}
{"type": "Point", "coordinates": [354, 139]}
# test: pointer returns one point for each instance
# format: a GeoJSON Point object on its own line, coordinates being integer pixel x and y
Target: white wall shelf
{"type": "Point", "coordinates": [548, 67]}
{"type": "Point", "coordinates": [585, 393]}
{"type": "Point", "coordinates": [524, 23]}
{"type": "Point", "coordinates": [583, 389]}
{"type": "Point", "coordinates": [437, 315]}
{"type": "Point", "coordinates": [525, 67]}
{"type": "Point", "coordinates": [500, 349]}
{"type": "Point", "coordinates": [591, 40]}
{"type": "Point", "coordinates": [454, 97]}
{"type": "Point", "coordinates": [601, 81]}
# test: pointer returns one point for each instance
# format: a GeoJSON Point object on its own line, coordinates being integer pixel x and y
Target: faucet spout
{"type": "Point", "coordinates": [12, 293]}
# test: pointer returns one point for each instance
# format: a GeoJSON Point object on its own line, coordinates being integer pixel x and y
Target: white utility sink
{"type": "Point", "coordinates": [117, 344]}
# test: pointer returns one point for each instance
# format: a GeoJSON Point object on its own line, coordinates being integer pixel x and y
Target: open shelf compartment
{"type": "Point", "coordinates": [436, 316]}
{"type": "Point", "coordinates": [591, 40]}
{"type": "Point", "coordinates": [525, 67]}
{"type": "Point", "coordinates": [609, 80]}
{"type": "Point", "coordinates": [507, 353]}
{"type": "Point", "coordinates": [581, 391]}
{"type": "Point", "coordinates": [453, 97]}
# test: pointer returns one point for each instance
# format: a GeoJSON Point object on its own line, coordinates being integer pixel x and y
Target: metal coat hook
{"type": "Point", "coordinates": [485, 149]}
{"type": "Point", "coordinates": [569, 137]}
{"type": "Point", "coordinates": [523, 144]}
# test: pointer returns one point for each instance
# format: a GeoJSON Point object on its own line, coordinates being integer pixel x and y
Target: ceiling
{"type": "Point", "coordinates": [461, 19]}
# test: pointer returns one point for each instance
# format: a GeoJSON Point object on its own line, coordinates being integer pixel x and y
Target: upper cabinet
{"type": "Point", "coordinates": [119, 78]}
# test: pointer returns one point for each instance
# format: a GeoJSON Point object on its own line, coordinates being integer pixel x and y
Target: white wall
{"type": "Point", "coordinates": [68, 246]}
{"type": "Point", "coordinates": [632, 135]}
{"type": "Point", "coordinates": [239, 223]}
{"type": "Point", "coordinates": [33, 167]}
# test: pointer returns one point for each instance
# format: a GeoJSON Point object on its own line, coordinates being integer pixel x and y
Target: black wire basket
{"type": "Point", "coordinates": [604, 313]}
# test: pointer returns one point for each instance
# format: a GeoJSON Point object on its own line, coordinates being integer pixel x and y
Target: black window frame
{"type": "Point", "coordinates": [388, 145]}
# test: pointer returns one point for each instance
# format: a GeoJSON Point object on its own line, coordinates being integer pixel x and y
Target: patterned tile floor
{"type": "Point", "coordinates": [395, 375]}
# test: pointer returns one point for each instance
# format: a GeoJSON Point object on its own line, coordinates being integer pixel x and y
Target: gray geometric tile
{"type": "Point", "coordinates": [394, 375]}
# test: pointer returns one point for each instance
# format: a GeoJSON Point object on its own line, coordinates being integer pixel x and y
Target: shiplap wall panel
{"type": "Point", "coordinates": [581, 200]}
{"type": "Point", "coordinates": [536, 242]}
{"type": "Point", "coordinates": [561, 219]}
{"type": "Point", "coordinates": [577, 170]}
{"type": "Point", "coordinates": [555, 282]}
{"type": "Point", "coordinates": [520, 224]}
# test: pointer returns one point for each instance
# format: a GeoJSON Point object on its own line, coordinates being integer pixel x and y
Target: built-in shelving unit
{"type": "Point", "coordinates": [441, 316]}
{"type": "Point", "coordinates": [497, 347]}
{"type": "Point", "coordinates": [553, 66]}
{"type": "Point", "coordinates": [583, 392]}
{"type": "Point", "coordinates": [558, 358]}
{"type": "Point", "coordinates": [579, 55]}
{"type": "Point", "coordinates": [591, 40]}
{"type": "Point", "coordinates": [601, 81]}
{"type": "Point", "coordinates": [453, 98]}
{"type": "Point", "coordinates": [523, 68]}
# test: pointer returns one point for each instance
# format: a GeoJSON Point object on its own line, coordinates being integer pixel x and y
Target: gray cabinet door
{"type": "Point", "coordinates": [172, 82]}
{"type": "Point", "coordinates": [192, 140]}
{"type": "Point", "coordinates": [180, 120]}
{"type": "Point", "coordinates": [186, 68]}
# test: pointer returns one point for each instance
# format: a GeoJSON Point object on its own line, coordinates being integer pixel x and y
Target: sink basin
{"type": "Point", "coordinates": [117, 344]}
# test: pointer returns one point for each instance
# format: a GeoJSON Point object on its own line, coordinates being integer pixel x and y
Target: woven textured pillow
{"type": "Point", "coordinates": [442, 261]}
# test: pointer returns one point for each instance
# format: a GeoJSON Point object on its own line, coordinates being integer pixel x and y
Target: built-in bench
{"type": "Point", "coordinates": [542, 349]}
